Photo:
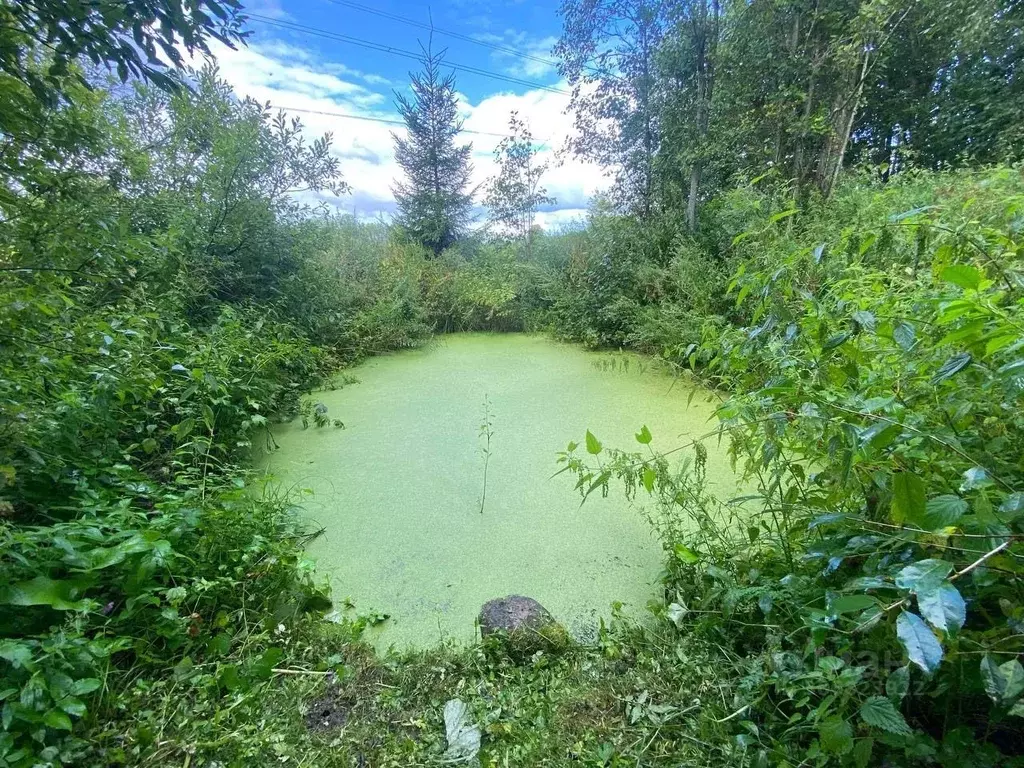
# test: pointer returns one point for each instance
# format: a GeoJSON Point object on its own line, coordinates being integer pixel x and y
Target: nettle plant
{"type": "Point", "coordinates": [872, 584]}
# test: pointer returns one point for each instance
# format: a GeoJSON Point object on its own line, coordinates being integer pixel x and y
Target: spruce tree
{"type": "Point", "coordinates": [433, 201]}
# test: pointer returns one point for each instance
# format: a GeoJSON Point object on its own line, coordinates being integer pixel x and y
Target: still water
{"type": "Point", "coordinates": [399, 489]}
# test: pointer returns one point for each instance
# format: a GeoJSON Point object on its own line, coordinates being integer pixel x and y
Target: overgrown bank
{"type": "Point", "coordinates": [167, 295]}
{"type": "Point", "coordinates": [874, 604]}
{"type": "Point", "coordinates": [165, 299]}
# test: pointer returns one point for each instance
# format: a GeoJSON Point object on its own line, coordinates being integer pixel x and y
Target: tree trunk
{"type": "Point", "coordinates": [801, 146]}
{"type": "Point", "coordinates": [843, 117]}
{"type": "Point", "coordinates": [691, 203]}
{"type": "Point", "coordinates": [705, 41]}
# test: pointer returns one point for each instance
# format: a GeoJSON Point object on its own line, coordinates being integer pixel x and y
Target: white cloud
{"type": "Point", "coordinates": [295, 78]}
{"type": "Point", "coordinates": [572, 183]}
{"type": "Point", "coordinates": [537, 62]}
{"type": "Point", "coordinates": [270, 8]}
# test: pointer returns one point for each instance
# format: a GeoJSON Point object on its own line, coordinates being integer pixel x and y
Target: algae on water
{"type": "Point", "coordinates": [399, 491]}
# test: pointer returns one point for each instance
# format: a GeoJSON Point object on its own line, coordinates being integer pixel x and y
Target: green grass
{"type": "Point", "coordinates": [640, 696]}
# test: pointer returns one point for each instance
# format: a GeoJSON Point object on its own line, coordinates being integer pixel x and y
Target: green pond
{"type": "Point", "coordinates": [398, 490]}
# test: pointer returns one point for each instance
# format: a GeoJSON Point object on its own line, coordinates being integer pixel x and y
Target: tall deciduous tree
{"type": "Point", "coordinates": [607, 53]}
{"type": "Point", "coordinates": [137, 38]}
{"type": "Point", "coordinates": [434, 201]}
{"type": "Point", "coordinates": [688, 64]}
{"type": "Point", "coordinates": [950, 91]}
{"type": "Point", "coordinates": [515, 193]}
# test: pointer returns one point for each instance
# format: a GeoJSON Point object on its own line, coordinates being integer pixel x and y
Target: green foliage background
{"type": "Point", "coordinates": [170, 287]}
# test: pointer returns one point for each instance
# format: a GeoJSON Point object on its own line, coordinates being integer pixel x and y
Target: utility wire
{"type": "Point", "coordinates": [377, 120]}
{"type": "Point", "coordinates": [386, 121]}
{"type": "Point", "coordinates": [398, 52]}
{"type": "Point", "coordinates": [446, 32]}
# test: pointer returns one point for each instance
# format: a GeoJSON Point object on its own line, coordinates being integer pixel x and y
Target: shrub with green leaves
{"type": "Point", "coordinates": [135, 381]}
{"type": "Point", "coordinates": [871, 585]}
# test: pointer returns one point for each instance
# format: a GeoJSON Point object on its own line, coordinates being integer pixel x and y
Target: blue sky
{"type": "Point", "coordinates": [305, 73]}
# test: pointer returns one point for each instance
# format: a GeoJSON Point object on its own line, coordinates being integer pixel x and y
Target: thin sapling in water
{"type": "Point", "coordinates": [486, 433]}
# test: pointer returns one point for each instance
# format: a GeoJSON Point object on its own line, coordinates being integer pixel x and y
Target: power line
{"type": "Point", "coordinates": [377, 120]}
{"type": "Point", "coordinates": [398, 52]}
{"type": "Point", "coordinates": [386, 121]}
{"type": "Point", "coordinates": [447, 33]}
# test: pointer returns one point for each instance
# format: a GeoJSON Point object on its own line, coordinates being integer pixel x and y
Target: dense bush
{"type": "Point", "coordinates": [167, 294]}
{"type": "Point", "coordinates": [153, 270]}
{"type": "Point", "coordinates": [871, 585]}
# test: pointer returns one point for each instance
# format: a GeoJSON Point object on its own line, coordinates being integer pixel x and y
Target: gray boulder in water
{"type": "Point", "coordinates": [525, 625]}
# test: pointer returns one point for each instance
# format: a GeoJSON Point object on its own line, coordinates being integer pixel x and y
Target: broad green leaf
{"type": "Point", "coordinates": [60, 595]}
{"type": "Point", "coordinates": [184, 669]}
{"type": "Point", "coordinates": [1013, 370]}
{"type": "Point", "coordinates": [903, 335]}
{"type": "Point", "coordinates": [867, 582]}
{"type": "Point", "coordinates": [910, 214]}
{"type": "Point", "coordinates": [1013, 673]}
{"type": "Point", "coordinates": [993, 678]}
{"type": "Point", "coordinates": [862, 752]}
{"type": "Point", "coordinates": [963, 275]}
{"type": "Point", "coordinates": [943, 607]}
{"type": "Point", "coordinates": [919, 642]}
{"type": "Point", "coordinates": [865, 320]}
{"type": "Point", "coordinates": [676, 613]}
{"type": "Point", "coordinates": [104, 557]}
{"type": "Point", "coordinates": [461, 734]}
{"type": "Point", "coordinates": [880, 435]}
{"type": "Point", "coordinates": [647, 478]}
{"type": "Point", "coordinates": [970, 333]}
{"type": "Point", "coordinates": [1003, 340]}
{"type": "Point", "coordinates": [264, 666]}
{"type": "Point", "coordinates": [835, 735]}
{"type": "Point", "coordinates": [85, 685]}
{"type": "Point", "coordinates": [924, 575]}
{"type": "Point", "coordinates": [685, 554]}
{"type": "Point", "coordinates": [831, 664]}
{"type": "Point", "coordinates": [852, 603]}
{"type": "Point", "coordinates": [742, 294]}
{"type": "Point", "coordinates": [879, 712]}
{"type": "Point", "coordinates": [975, 477]}
{"type": "Point", "coordinates": [1003, 682]}
{"type": "Point", "coordinates": [593, 444]}
{"type": "Point", "coordinates": [836, 341]}
{"type": "Point", "coordinates": [644, 435]}
{"type": "Point", "coordinates": [72, 706]}
{"type": "Point", "coordinates": [229, 678]}
{"type": "Point", "coordinates": [58, 720]}
{"type": "Point", "coordinates": [943, 511]}
{"type": "Point", "coordinates": [1012, 505]}
{"type": "Point", "coordinates": [18, 654]}
{"type": "Point", "coordinates": [952, 367]}
{"type": "Point", "coordinates": [897, 685]}
{"type": "Point", "coordinates": [908, 497]}
{"type": "Point", "coordinates": [782, 215]}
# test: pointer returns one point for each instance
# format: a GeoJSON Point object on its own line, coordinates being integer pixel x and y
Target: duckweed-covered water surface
{"type": "Point", "coordinates": [399, 490]}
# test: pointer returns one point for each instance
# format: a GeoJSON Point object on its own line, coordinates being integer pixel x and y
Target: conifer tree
{"type": "Point", "coordinates": [434, 202]}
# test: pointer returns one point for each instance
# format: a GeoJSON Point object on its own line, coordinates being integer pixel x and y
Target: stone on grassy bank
{"type": "Point", "coordinates": [524, 625]}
